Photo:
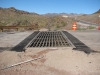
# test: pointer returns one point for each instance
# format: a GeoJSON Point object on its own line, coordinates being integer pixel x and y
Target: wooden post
{"type": "Point", "coordinates": [17, 29]}
{"type": "Point", "coordinates": [36, 26]}
{"type": "Point", "coordinates": [1, 29]}
{"type": "Point", "coordinates": [33, 27]}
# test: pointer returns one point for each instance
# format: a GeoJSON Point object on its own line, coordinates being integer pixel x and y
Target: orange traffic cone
{"type": "Point", "coordinates": [98, 27]}
{"type": "Point", "coordinates": [74, 26]}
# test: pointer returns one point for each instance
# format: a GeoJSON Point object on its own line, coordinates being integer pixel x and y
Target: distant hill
{"type": "Point", "coordinates": [12, 10]}
{"type": "Point", "coordinates": [97, 12]}
{"type": "Point", "coordinates": [61, 14]}
{"type": "Point", "coordinates": [12, 16]}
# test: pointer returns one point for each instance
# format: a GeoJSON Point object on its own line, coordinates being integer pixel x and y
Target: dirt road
{"type": "Point", "coordinates": [55, 61]}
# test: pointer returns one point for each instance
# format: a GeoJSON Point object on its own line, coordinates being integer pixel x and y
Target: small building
{"type": "Point", "coordinates": [65, 16]}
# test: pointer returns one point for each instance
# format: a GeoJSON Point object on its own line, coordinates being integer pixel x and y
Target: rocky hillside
{"type": "Point", "coordinates": [11, 16]}
{"type": "Point", "coordinates": [93, 18]}
{"type": "Point", "coordinates": [97, 12]}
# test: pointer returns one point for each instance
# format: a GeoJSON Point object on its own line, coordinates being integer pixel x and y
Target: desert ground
{"type": "Point", "coordinates": [50, 61]}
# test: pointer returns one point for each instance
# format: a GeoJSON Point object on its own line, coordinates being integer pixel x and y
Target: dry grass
{"type": "Point", "coordinates": [94, 18]}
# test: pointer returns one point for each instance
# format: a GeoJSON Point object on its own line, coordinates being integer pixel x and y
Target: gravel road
{"type": "Point", "coordinates": [55, 61]}
{"type": "Point", "coordinates": [90, 37]}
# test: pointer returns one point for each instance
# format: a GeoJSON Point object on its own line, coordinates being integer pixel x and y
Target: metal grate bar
{"type": "Point", "coordinates": [49, 39]}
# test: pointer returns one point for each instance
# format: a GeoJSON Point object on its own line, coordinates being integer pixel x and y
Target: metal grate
{"type": "Point", "coordinates": [49, 39]}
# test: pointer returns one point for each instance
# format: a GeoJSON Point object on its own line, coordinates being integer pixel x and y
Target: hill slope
{"type": "Point", "coordinates": [98, 12]}
{"type": "Point", "coordinates": [12, 16]}
{"type": "Point", "coordinates": [93, 18]}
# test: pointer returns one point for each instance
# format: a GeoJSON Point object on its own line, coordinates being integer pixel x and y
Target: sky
{"type": "Point", "coordinates": [53, 6]}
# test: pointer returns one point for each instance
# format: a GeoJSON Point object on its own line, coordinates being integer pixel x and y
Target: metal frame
{"type": "Point", "coordinates": [49, 39]}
